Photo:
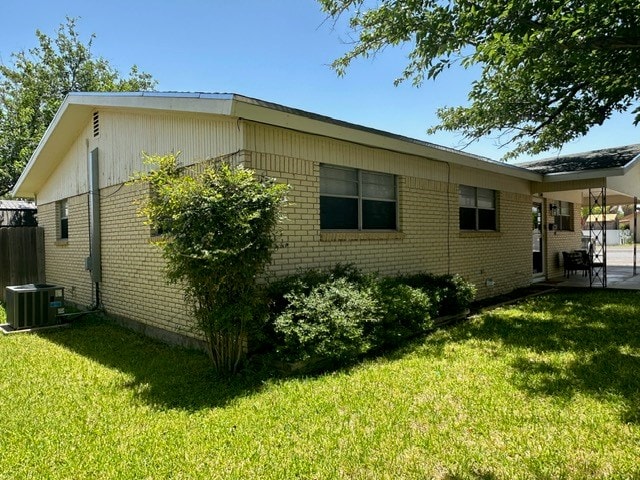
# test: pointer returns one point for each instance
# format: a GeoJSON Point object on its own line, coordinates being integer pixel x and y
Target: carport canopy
{"type": "Point", "coordinates": [604, 178]}
{"type": "Point", "coordinates": [617, 170]}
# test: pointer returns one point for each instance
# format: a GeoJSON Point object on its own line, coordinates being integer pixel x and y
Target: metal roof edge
{"type": "Point", "coordinates": [151, 94]}
{"type": "Point", "coordinates": [584, 174]}
{"type": "Point", "coordinates": [631, 163]}
{"type": "Point", "coordinates": [171, 101]}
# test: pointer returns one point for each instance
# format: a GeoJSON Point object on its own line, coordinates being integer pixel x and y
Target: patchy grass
{"type": "Point", "coordinates": [545, 389]}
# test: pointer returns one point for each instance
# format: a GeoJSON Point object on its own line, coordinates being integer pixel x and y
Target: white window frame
{"type": "Point", "coordinates": [564, 210]}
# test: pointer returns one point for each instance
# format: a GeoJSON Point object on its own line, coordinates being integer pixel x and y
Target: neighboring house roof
{"type": "Point", "coordinates": [608, 217]}
{"type": "Point", "coordinates": [618, 157]}
{"type": "Point", "coordinates": [17, 213]}
{"type": "Point", "coordinates": [16, 205]}
{"type": "Point", "coordinates": [628, 218]}
{"type": "Point", "coordinates": [77, 108]}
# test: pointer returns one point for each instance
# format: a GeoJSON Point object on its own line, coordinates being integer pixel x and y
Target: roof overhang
{"type": "Point", "coordinates": [294, 119]}
{"type": "Point", "coordinates": [77, 108]}
{"type": "Point", "coordinates": [75, 111]}
{"type": "Point", "coordinates": [622, 181]}
{"type": "Point", "coordinates": [585, 175]}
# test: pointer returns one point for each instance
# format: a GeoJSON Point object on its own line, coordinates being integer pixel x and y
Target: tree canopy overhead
{"type": "Point", "coordinates": [549, 69]}
{"type": "Point", "coordinates": [35, 84]}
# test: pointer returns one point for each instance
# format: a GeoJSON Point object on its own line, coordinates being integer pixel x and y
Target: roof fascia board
{"type": "Point", "coordinates": [568, 185]}
{"type": "Point", "coordinates": [15, 191]}
{"type": "Point", "coordinates": [219, 104]}
{"type": "Point", "coordinates": [584, 175]}
{"type": "Point", "coordinates": [613, 198]}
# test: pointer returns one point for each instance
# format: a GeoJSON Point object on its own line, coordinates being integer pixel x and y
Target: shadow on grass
{"type": "Point", "coordinates": [569, 343]}
{"type": "Point", "coordinates": [162, 376]}
{"type": "Point", "coordinates": [599, 330]}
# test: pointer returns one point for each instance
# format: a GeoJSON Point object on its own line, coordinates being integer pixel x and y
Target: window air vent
{"type": "Point", "coordinates": [96, 124]}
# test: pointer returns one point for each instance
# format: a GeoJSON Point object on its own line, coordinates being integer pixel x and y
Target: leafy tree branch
{"type": "Point", "coordinates": [34, 85]}
{"type": "Point", "coordinates": [550, 69]}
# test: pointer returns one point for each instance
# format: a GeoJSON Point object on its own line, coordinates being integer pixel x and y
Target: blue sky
{"type": "Point", "coordinates": [275, 50]}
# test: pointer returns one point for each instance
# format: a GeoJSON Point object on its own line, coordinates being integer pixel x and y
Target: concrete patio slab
{"type": "Point", "coordinates": [621, 277]}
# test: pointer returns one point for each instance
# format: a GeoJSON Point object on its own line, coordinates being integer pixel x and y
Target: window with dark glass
{"type": "Point", "coordinates": [563, 218]}
{"type": "Point", "coordinates": [63, 212]}
{"type": "Point", "coordinates": [477, 208]}
{"type": "Point", "coordinates": [352, 199]}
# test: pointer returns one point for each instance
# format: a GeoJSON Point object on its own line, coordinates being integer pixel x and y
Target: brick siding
{"type": "Point", "coordinates": [133, 284]}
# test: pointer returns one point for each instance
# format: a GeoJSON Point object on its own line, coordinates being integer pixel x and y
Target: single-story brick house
{"type": "Point", "coordinates": [385, 202]}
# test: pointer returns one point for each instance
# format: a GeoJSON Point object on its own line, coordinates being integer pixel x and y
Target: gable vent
{"type": "Point", "coordinates": [96, 124]}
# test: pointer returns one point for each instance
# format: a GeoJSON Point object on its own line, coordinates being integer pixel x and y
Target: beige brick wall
{"type": "Point", "coordinates": [497, 262]}
{"type": "Point", "coordinates": [429, 238]}
{"type": "Point", "coordinates": [133, 282]}
{"type": "Point", "coordinates": [65, 259]}
{"type": "Point", "coordinates": [559, 241]}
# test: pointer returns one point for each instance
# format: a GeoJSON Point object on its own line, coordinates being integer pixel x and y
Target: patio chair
{"type": "Point", "coordinates": [575, 261]}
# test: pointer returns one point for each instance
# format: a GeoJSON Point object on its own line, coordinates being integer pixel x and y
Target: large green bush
{"type": "Point", "coordinates": [340, 313]}
{"type": "Point", "coordinates": [331, 321]}
{"type": "Point", "coordinates": [451, 294]}
{"type": "Point", "coordinates": [405, 311]}
{"type": "Point", "coordinates": [279, 290]}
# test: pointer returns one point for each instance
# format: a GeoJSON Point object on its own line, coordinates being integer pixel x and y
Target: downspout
{"type": "Point", "coordinates": [94, 261]}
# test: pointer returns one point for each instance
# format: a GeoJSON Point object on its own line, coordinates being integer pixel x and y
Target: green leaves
{"type": "Point", "coordinates": [330, 322]}
{"type": "Point", "coordinates": [32, 89]}
{"type": "Point", "coordinates": [550, 70]}
{"type": "Point", "coordinates": [332, 317]}
{"type": "Point", "coordinates": [219, 231]}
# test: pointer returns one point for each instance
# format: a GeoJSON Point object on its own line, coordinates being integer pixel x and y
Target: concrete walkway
{"type": "Point", "coordinates": [617, 277]}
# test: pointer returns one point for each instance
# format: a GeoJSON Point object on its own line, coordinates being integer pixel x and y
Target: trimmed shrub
{"type": "Point", "coordinates": [339, 314]}
{"type": "Point", "coordinates": [331, 321]}
{"type": "Point", "coordinates": [304, 282]}
{"type": "Point", "coordinates": [405, 312]}
{"type": "Point", "coordinates": [450, 293]}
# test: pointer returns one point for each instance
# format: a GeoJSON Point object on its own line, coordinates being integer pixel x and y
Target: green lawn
{"type": "Point", "coordinates": [546, 389]}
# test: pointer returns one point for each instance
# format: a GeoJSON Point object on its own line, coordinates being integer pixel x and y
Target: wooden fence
{"type": "Point", "coordinates": [21, 256]}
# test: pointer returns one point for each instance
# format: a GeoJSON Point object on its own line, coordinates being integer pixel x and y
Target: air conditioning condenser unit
{"type": "Point", "coordinates": [33, 305]}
